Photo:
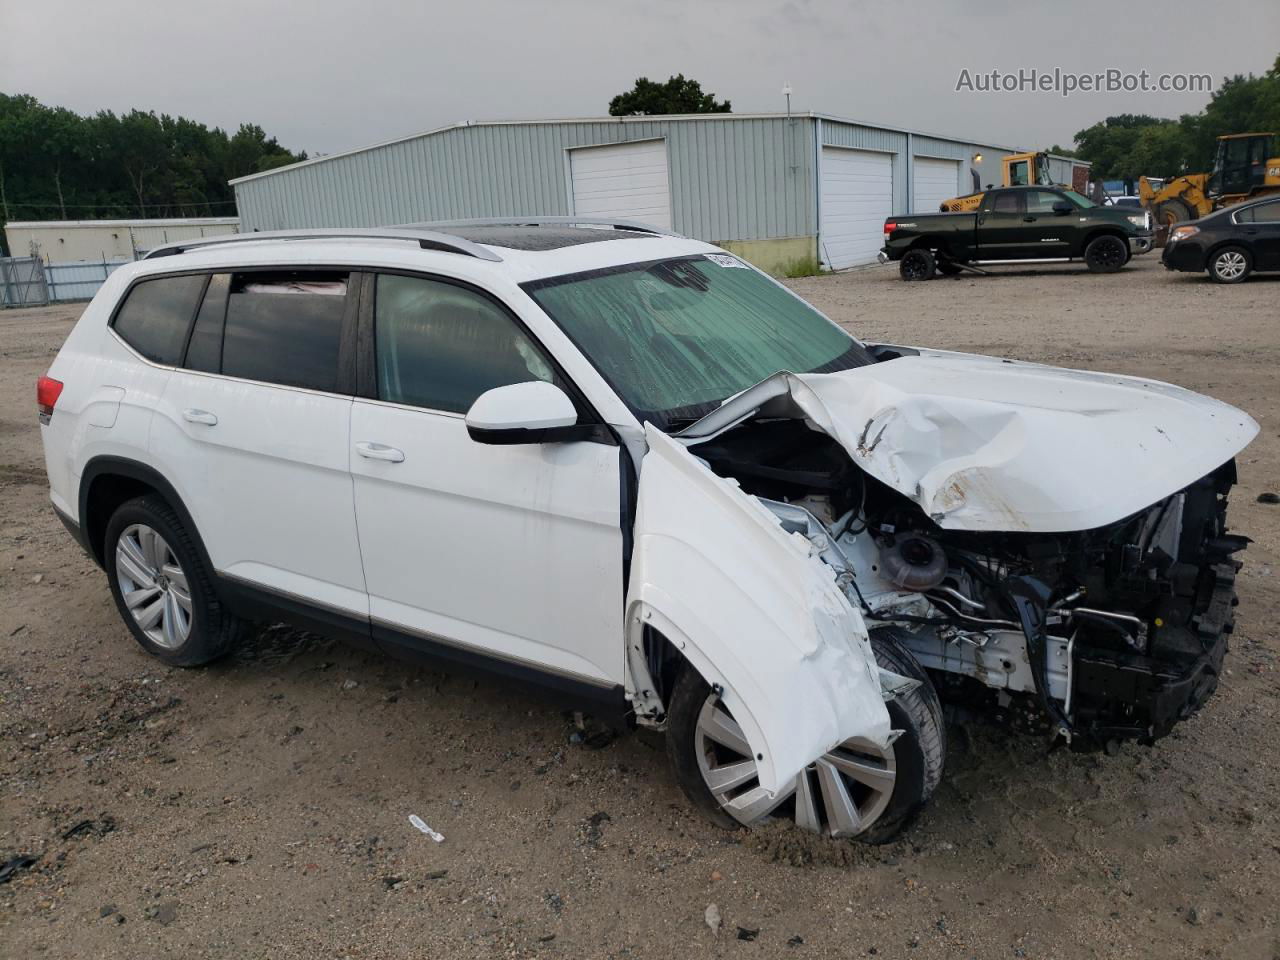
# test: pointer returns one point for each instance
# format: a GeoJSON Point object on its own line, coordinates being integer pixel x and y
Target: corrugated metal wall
{"type": "Point", "coordinates": [836, 133]}
{"type": "Point", "coordinates": [731, 178]}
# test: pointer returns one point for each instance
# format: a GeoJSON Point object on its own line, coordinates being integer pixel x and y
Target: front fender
{"type": "Point", "coordinates": [754, 610]}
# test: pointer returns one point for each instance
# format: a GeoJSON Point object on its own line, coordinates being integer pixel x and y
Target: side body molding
{"type": "Point", "coordinates": [754, 610]}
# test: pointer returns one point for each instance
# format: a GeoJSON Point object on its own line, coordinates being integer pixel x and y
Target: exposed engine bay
{"type": "Point", "coordinates": [1110, 633]}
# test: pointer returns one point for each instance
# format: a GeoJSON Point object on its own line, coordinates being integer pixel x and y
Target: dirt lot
{"type": "Point", "coordinates": [258, 808]}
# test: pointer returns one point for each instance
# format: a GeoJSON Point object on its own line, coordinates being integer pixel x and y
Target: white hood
{"type": "Point", "coordinates": [998, 445]}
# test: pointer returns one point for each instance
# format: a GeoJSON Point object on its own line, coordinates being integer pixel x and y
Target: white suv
{"type": "Point", "coordinates": [632, 468]}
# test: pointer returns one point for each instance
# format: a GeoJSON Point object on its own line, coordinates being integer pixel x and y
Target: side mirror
{"type": "Point", "coordinates": [1061, 207]}
{"type": "Point", "coordinates": [534, 412]}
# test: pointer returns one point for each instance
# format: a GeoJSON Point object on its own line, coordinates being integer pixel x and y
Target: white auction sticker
{"type": "Point", "coordinates": [725, 260]}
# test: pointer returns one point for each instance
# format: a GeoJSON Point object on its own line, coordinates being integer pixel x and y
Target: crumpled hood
{"type": "Point", "coordinates": [987, 444]}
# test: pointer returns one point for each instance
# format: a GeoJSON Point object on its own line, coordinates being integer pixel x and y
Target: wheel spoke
{"type": "Point", "coordinates": [135, 599]}
{"type": "Point", "coordinates": [175, 575]}
{"type": "Point", "coordinates": [151, 547]}
{"type": "Point", "coordinates": [182, 597]}
{"type": "Point", "coordinates": [730, 776]}
{"type": "Point", "coordinates": [842, 812]}
{"type": "Point", "coordinates": [724, 730]}
{"type": "Point", "coordinates": [806, 804]}
{"type": "Point", "coordinates": [864, 771]}
{"type": "Point", "coordinates": [148, 618]}
{"type": "Point", "coordinates": [129, 558]}
{"type": "Point", "coordinates": [755, 803]}
{"type": "Point", "coordinates": [172, 628]}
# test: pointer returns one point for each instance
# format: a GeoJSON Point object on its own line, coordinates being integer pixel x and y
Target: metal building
{"type": "Point", "coordinates": [77, 241]}
{"type": "Point", "coordinates": [775, 188]}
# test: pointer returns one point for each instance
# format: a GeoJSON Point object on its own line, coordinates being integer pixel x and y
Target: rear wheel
{"type": "Point", "coordinates": [1230, 265]}
{"type": "Point", "coordinates": [162, 589]}
{"type": "Point", "coordinates": [1106, 254]}
{"type": "Point", "coordinates": [856, 790]}
{"type": "Point", "coordinates": [917, 265]}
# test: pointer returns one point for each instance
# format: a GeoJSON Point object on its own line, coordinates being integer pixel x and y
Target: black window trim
{"type": "Point", "coordinates": [346, 385]}
{"type": "Point", "coordinates": [366, 374]}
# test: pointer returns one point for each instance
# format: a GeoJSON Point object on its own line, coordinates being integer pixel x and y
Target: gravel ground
{"type": "Point", "coordinates": [258, 808]}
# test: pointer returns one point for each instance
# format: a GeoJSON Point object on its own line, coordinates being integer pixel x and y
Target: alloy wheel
{"type": "Point", "coordinates": [1230, 265]}
{"type": "Point", "coordinates": [841, 793]}
{"type": "Point", "coordinates": [153, 586]}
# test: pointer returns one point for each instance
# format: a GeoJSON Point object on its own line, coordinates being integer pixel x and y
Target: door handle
{"type": "Point", "coordinates": [379, 451]}
{"type": "Point", "coordinates": [199, 416]}
{"type": "Point", "coordinates": [1028, 219]}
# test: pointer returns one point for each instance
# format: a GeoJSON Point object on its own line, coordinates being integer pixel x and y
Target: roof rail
{"type": "Point", "coordinates": [426, 239]}
{"type": "Point", "coordinates": [634, 226]}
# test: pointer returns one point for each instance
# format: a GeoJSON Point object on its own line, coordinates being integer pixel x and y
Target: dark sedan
{"type": "Point", "coordinates": [1229, 244]}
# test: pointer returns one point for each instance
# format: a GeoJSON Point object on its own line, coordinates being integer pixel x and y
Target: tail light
{"type": "Point", "coordinates": [47, 392]}
{"type": "Point", "coordinates": [890, 226]}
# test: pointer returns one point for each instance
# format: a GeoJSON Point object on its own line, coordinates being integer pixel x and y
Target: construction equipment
{"type": "Point", "coordinates": [1247, 165]}
{"type": "Point", "coordinates": [1018, 169]}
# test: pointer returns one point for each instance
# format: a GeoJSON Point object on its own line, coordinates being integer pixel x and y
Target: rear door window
{"type": "Point", "coordinates": [1010, 202]}
{"type": "Point", "coordinates": [156, 315]}
{"type": "Point", "coordinates": [283, 327]}
{"type": "Point", "coordinates": [1267, 213]}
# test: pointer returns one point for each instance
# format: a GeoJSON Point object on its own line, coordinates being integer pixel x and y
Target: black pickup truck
{"type": "Point", "coordinates": [1017, 225]}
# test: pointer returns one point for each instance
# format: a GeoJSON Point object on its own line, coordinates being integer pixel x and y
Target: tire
{"type": "Point", "coordinates": [172, 609]}
{"type": "Point", "coordinates": [1173, 211]}
{"type": "Point", "coordinates": [917, 265]}
{"type": "Point", "coordinates": [1230, 265]}
{"type": "Point", "coordinates": [1106, 254]}
{"type": "Point", "coordinates": [917, 758]}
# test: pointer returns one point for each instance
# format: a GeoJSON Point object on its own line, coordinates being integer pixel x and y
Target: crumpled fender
{"type": "Point", "coordinates": [754, 610]}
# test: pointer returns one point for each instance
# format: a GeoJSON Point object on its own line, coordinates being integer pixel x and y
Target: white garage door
{"type": "Point", "coordinates": [857, 197]}
{"type": "Point", "coordinates": [624, 180]}
{"type": "Point", "coordinates": [936, 180]}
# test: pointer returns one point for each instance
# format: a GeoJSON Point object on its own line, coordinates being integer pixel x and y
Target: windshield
{"type": "Point", "coordinates": [676, 338]}
{"type": "Point", "coordinates": [1078, 199]}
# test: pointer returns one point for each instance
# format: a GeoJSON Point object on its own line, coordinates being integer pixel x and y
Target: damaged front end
{"type": "Point", "coordinates": [1116, 630]}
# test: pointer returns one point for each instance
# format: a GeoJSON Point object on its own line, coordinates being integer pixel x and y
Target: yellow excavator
{"type": "Point", "coordinates": [1019, 169]}
{"type": "Point", "coordinates": [1247, 165]}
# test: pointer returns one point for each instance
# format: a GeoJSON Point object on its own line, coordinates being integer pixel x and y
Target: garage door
{"type": "Point", "coordinates": [936, 180]}
{"type": "Point", "coordinates": [857, 196]}
{"type": "Point", "coordinates": [625, 180]}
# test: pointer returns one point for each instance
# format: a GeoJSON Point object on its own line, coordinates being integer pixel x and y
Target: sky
{"type": "Point", "coordinates": [331, 75]}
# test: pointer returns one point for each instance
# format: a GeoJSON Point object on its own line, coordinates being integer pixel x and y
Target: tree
{"type": "Point", "coordinates": [677, 95]}
{"type": "Point", "coordinates": [1129, 146]}
{"type": "Point", "coordinates": [57, 164]}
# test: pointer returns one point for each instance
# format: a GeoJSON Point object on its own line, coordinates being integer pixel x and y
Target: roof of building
{"type": "Point", "coordinates": [169, 222]}
{"type": "Point", "coordinates": [654, 118]}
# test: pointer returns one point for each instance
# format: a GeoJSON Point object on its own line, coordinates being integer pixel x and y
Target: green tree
{"type": "Point", "coordinates": [56, 164]}
{"type": "Point", "coordinates": [677, 95]}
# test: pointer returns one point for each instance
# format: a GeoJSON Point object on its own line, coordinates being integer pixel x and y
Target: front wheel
{"type": "Point", "coordinates": [1106, 254]}
{"type": "Point", "coordinates": [857, 790]}
{"type": "Point", "coordinates": [1230, 265]}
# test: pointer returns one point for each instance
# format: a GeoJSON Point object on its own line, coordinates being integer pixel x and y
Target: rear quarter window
{"type": "Point", "coordinates": [156, 314]}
